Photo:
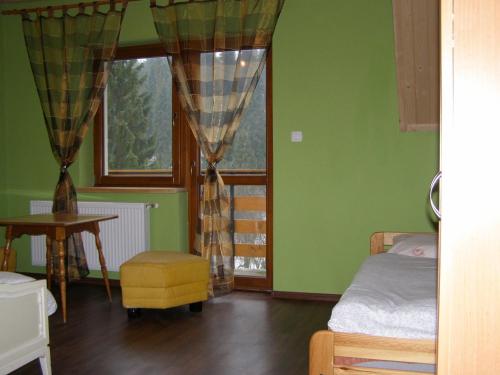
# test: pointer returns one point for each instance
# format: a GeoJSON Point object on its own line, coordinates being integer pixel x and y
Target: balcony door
{"type": "Point", "coordinates": [247, 174]}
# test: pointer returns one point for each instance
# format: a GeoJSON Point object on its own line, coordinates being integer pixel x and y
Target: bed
{"type": "Point", "coordinates": [405, 333]}
{"type": "Point", "coordinates": [25, 306]}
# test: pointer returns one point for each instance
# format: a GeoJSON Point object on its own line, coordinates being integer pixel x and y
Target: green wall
{"type": "Point", "coordinates": [3, 153]}
{"type": "Point", "coordinates": [354, 173]}
{"type": "Point", "coordinates": [2, 126]}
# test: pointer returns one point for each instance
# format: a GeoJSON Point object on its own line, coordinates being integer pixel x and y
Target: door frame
{"type": "Point", "coordinates": [194, 180]}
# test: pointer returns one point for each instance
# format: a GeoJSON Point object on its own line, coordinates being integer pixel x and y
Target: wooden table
{"type": "Point", "coordinates": [57, 227]}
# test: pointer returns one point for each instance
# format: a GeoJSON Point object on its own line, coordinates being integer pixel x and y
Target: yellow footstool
{"type": "Point", "coordinates": [161, 279]}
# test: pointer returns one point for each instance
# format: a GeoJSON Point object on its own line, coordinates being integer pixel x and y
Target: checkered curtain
{"type": "Point", "coordinates": [218, 50]}
{"type": "Point", "coordinates": [68, 55]}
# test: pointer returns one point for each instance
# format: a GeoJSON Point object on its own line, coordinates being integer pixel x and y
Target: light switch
{"type": "Point", "coordinates": [296, 136]}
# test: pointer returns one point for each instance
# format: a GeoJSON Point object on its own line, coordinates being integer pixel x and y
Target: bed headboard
{"type": "Point", "coordinates": [380, 241]}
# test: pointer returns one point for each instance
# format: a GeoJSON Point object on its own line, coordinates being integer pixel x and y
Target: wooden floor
{"type": "Point", "coordinates": [242, 333]}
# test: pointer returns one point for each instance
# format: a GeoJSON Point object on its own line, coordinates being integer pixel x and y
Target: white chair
{"type": "Point", "coordinates": [24, 330]}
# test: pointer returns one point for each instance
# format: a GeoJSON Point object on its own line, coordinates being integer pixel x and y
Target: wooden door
{"type": "Point", "coordinates": [416, 43]}
{"type": "Point", "coordinates": [469, 266]}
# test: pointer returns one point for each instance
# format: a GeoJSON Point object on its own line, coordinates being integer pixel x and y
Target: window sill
{"type": "Point", "coordinates": [112, 189]}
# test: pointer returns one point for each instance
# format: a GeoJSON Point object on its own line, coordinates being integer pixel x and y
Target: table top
{"type": "Point", "coordinates": [55, 220]}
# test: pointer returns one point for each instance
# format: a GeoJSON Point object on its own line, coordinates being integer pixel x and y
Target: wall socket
{"type": "Point", "coordinates": [296, 136]}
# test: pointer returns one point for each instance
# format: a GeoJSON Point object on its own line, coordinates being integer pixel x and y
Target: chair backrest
{"type": "Point", "coordinates": [24, 324]}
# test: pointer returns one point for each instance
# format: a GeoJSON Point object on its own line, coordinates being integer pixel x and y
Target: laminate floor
{"type": "Point", "coordinates": [242, 333]}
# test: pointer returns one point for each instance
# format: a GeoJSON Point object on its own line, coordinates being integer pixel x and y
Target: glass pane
{"type": "Point", "coordinates": [248, 151]}
{"type": "Point", "coordinates": [249, 204]}
{"type": "Point", "coordinates": [138, 118]}
{"type": "Point", "coordinates": [248, 209]}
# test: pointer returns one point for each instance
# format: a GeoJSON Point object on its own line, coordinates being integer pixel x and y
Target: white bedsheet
{"type": "Point", "coordinates": [392, 296]}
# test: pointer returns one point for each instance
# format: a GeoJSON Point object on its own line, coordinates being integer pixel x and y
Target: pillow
{"type": "Point", "coordinates": [17, 278]}
{"type": "Point", "coordinates": [415, 245]}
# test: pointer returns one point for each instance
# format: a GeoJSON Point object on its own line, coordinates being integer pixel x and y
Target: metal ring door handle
{"type": "Point", "coordinates": [434, 182]}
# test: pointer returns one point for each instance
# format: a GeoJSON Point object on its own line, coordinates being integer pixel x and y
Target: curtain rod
{"type": "Point", "coordinates": [171, 2]}
{"type": "Point", "coordinates": [64, 7]}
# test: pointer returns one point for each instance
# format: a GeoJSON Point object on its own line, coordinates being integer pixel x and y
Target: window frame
{"type": "Point", "coordinates": [145, 179]}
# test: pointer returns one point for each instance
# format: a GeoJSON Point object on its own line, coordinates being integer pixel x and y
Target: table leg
{"type": "Point", "coordinates": [102, 261]}
{"type": "Point", "coordinates": [48, 257]}
{"type": "Point", "coordinates": [62, 276]}
{"type": "Point", "coordinates": [6, 250]}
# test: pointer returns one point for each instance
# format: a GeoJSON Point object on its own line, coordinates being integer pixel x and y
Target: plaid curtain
{"type": "Point", "coordinates": [218, 49]}
{"type": "Point", "coordinates": [68, 55]}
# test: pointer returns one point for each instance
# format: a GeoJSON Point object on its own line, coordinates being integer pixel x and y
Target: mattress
{"type": "Point", "coordinates": [391, 296]}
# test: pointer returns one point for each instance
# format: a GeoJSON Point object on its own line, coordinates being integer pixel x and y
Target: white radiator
{"type": "Point", "coordinates": [121, 238]}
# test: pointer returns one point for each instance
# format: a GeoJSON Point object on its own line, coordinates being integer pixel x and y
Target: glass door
{"type": "Point", "coordinates": [247, 174]}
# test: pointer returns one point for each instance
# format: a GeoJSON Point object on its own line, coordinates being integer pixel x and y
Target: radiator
{"type": "Point", "coordinates": [121, 238]}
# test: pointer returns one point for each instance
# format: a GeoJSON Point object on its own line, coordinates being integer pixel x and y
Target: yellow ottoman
{"type": "Point", "coordinates": [161, 279]}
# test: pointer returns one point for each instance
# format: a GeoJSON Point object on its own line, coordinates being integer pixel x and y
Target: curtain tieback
{"type": "Point", "coordinates": [212, 165]}
{"type": "Point", "coordinates": [63, 172]}
{"type": "Point", "coordinates": [64, 168]}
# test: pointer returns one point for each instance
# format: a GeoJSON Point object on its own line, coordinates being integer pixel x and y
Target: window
{"type": "Point", "coordinates": [137, 140]}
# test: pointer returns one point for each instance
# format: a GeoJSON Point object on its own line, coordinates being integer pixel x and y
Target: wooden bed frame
{"type": "Point", "coordinates": [325, 345]}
